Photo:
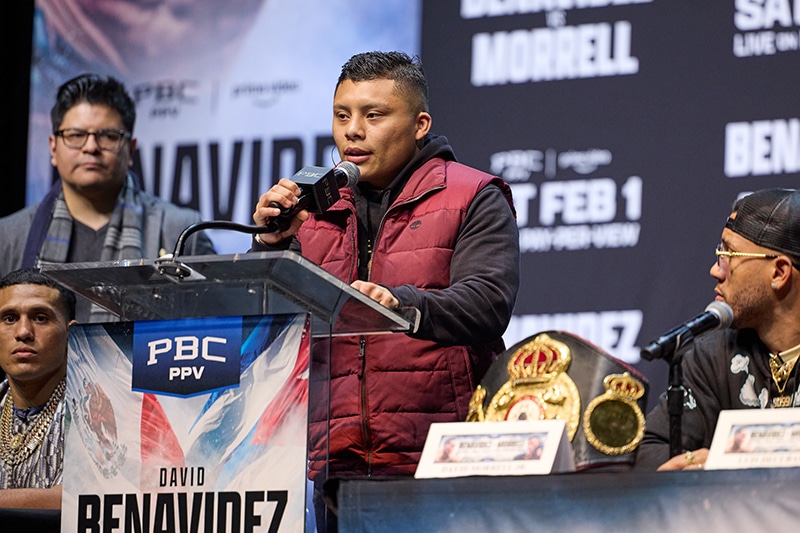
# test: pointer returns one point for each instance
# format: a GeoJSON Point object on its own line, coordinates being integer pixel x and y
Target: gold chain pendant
{"type": "Point", "coordinates": [16, 441]}
{"type": "Point", "coordinates": [782, 401]}
{"type": "Point", "coordinates": [780, 375]}
{"type": "Point", "coordinates": [17, 448]}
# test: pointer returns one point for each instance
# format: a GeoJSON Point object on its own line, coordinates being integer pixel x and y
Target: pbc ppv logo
{"type": "Point", "coordinates": [186, 357]}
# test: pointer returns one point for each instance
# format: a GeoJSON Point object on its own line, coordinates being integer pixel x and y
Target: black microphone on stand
{"type": "Point", "coordinates": [668, 346]}
{"type": "Point", "coordinates": [319, 190]}
{"type": "Point", "coordinates": [716, 315]}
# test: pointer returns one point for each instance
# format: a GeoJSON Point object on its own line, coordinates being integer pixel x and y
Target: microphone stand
{"type": "Point", "coordinates": [676, 393]}
{"type": "Point", "coordinates": [169, 264]}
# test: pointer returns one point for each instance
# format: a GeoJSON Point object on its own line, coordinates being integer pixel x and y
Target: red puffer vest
{"type": "Point", "coordinates": [386, 390]}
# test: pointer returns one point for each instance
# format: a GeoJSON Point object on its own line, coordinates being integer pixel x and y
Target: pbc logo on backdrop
{"type": "Point", "coordinates": [166, 92]}
{"type": "Point", "coordinates": [186, 357]}
{"type": "Point", "coordinates": [165, 98]}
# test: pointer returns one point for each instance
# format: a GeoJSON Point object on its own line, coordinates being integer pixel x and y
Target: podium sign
{"type": "Point", "coordinates": [191, 414]}
{"type": "Point", "coordinates": [177, 457]}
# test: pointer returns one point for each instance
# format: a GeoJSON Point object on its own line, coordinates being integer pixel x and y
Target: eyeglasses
{"type": "Point", "coordinates": [724, 253]}
{"type": "Point", "coordinates": [109, 140]}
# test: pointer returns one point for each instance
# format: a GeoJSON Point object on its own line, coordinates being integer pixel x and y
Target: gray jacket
{"type": "Point", "coordinates": [163, 224]}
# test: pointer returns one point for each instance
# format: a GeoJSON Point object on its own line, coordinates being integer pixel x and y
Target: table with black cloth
{"type": "Point", "coordinates": [30, 521]}
{"type": "Point", "coordinates": [684, 501]}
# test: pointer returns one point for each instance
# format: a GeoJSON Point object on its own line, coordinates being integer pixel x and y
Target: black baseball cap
{"type": "Point", "coordinates": [769, 218]}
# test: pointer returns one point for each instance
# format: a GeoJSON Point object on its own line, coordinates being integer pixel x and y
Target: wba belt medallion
{"type": "Point", "coordinates": [538, 387]}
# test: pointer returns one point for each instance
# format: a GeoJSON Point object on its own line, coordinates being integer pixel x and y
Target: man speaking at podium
{"type": "Point", "coordinates": [419, 230]}
{"type": "Point", "coordinates": [753, 364]}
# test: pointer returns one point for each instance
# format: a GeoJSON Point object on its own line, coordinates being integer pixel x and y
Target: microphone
{"type": "Point", "coordinates": [716, 315]}
{"type": "Point", "coordinates": [319, 190]}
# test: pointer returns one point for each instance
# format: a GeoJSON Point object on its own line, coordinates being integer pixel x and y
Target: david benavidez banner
{"type": "Point", "coordinates": [187, 425]}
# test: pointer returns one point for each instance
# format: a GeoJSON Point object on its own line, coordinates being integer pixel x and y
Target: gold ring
{"type": "Point", "coordinates": [689, 457]}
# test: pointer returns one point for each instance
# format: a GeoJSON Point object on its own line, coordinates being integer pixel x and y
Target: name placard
{"type": "Point", "coordinates": [518, 448]}
{"type": "Point", "coordinates": [755, 438]}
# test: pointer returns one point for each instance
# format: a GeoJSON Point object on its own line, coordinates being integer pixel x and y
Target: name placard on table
{"type": "Point", "coordinates": [755, 438]}
{"type": "Point", "coordinates": [518, 448]}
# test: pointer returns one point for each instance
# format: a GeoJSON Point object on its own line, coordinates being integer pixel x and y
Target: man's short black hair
{"type": "Point", "coordinates": [406, 71]}
{"type": "Point", "coordinates": [95, 90]}
{"type": "Point", "coordinates": [31, 276]}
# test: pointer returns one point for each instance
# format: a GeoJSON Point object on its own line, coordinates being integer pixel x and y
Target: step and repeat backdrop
{"type": "Point", "coordinates": [626, 128]}
{"type": "Point", "coordinates": [230, 95]}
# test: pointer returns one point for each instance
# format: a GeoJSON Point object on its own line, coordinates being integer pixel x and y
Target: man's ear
{"type": "Point", "coordinates": [423, 125]}
{"type": "Point", "coordinates": [52, 141]}
{"type": "Point", "coordinates": [131, 150]}
{"type": "Point", "coordinates": [782, 272]}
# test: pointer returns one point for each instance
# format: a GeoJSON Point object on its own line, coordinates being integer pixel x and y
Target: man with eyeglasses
{"type": "Point", "coordinates": [751, 365]}
{"type": "Point", "coordinates": [96, 210]}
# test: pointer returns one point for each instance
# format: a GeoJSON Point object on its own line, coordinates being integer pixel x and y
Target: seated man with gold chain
{"type": "Point", "coordinates": [752, 364]}
{"type": "Point", "coordinates": [35, 315]}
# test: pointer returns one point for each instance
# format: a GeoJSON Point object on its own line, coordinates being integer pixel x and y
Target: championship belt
{"type": "Point", "coordinates": [558, 375]}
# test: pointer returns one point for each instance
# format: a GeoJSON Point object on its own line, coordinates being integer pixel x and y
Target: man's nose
{"type": "Point", "coordinates": [716, 271]}
{"type": "Point", "coordinates": [23, 329]}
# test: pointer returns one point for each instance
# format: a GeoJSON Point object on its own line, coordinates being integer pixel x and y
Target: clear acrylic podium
{"type": "Point", "coordinates": [261, 283]}
{"type": "Point", "coordinates": [252, 284]}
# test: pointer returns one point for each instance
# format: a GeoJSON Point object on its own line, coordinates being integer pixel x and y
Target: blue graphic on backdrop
{"type": "Point", "coordinates": [188, 356]}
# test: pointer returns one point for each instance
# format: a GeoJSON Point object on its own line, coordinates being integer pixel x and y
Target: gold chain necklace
{"type": "Point", "coordinates": [15, 448]}
{"type": "Point", "coordinates": [780, 371]}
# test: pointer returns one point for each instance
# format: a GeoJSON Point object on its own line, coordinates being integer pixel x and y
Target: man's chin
{"type": "Point", "coordinates": [93, 183]}
{"type": "Point", "coordinates": [741, 323]}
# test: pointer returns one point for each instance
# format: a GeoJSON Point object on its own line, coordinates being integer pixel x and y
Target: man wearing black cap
{"type": "Point", "coordinates": [752, 364]}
